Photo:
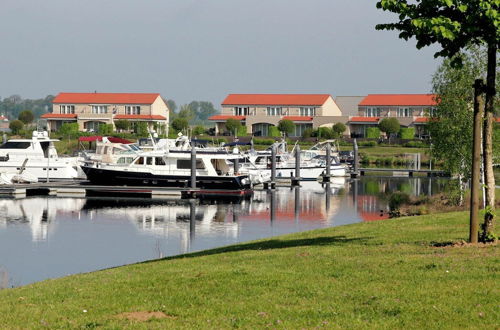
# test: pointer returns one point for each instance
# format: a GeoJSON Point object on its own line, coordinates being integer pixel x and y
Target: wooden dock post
{"type": "Point", "coordinates": [296, 179]}
{"type": "Point", "coordinates": [193, 167]}
{"type": "Point", "coordinates": [327, 175]}
{"type": "Point", "coordinates": [355, 172]}
{"type": "Point", "coordinates": [273, 167]}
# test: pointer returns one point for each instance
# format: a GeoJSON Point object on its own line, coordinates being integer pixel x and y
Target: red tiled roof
{"type": "Point", "coordinates": [58, 115]}
{"type": "Point", "coordinates": [276, 99]}
{"type": "Point", "coordinates": [298, 118]}
{"type": "Point", "coordinates": [421, 120]}
{"type": "Point", "coordinates": [143, 117]}
{"type": "Point", "coordinates": [399, 99]}
{"type": "Point", "coordinates": [226, 117]}
{"type": "Point", "coordinates": [106, 98]}
{"type": "Point", "coordinates": [497, 120]}
{"type": "Point", "coordinates": [3, 118]}
{"type": "Point", "coordinates": [365, 119]}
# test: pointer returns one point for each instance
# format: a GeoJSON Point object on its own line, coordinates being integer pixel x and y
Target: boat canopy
{"type": "Point", "coordinates": [111, 139]}
{"type": "Point", "coordinates": [232, 144]}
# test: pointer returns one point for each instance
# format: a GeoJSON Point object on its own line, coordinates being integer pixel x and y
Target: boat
{"type": "Point", "coordinates": [26, 159]}
{"type": "Point", "coordinates": [312, 163]}
{"type": "Point", "coordinates": [164, 168]}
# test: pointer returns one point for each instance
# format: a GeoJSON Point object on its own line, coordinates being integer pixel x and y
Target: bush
{"type": "Point", "coordinates": [274, 131]}
{"type": "Point", "coordinates": [367, 143]}
{"type": "Point", "coordinates": [326, 133]}
{"type": "Point", "coordinates": [26, 116]}
{"type": "Point", "coordinates": [105, 129]}
{"type": "Point", "coordinates": [415, 144]}
{"type": "Point", "coordinates": [68, 130]}
{"type": "Point", "coordinates": [307, 133]}
{"type": "Point", "coordinates": [407, 133]}
{"type": "Point", "coordinates": [141, 129]}
{"type": "Point", "coordinates": [286, 126]}
{"type": "Point", "coordinates": [242, 131]}
{"type": "Point", "coordinates": [389, 125]}
{"type": "Point", "coordinates": [372, 132]}
{"type": "Point", "coordinates": [122, 124]}
{"type": "Point", "coordinates": [397, 199]}
{"type": "Point", "coordinates": [180, 124]}
{"type": "Point", "coordinates": [339, 128]}
{"type": "Point", "coordinates": [198, 130]}
{"type": "Point", "coordinates": [16, 126]}
{"type": "Point", "coordinates": [266, 142]}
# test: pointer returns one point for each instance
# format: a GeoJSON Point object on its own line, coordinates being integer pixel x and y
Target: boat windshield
{"type": "Point", "coordinates": [15, 145]}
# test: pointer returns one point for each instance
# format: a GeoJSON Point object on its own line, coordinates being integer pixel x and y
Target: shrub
{"type": "Point", "coordinates": [397, 199]}
{"type": "Point", "coordinates": [105, 129]}
{"type": "Point", "coordinates": [274, 131]}
{"type": "Point", "coordinates": [242, 131]}
{"type": "Point", "coordinates": [286, 126]}
{"type": "Point", "coordinates": [372, 132]}
{"type": "Point", "coordinates": [367, 143]}
{"type": "Point", "coordinates": [263, 141]}
{"type": "Point", "coordinates": [68, 130]}
{"type": "Point", "coordinates": [141, 129]}
{"type": "Point", "coordinates": [180, 124]}
{"type": "Point", "coordinates": [407, 133]}
{"type": "Point", "coordinates": [198, 130]}
{"type": "Point", "coordinates": [16, 126]}
{"type": "Point", "coordinates": [233, 125]}
{"type": "Point", "coordinates": [307, 133]}
{"type": "Point", "coordinates": [325, 133]}
{"type": "Point", "coordinates": [122, 124]}
{"type": "Point", "coordinates": [389, 125]}
{"type": "Point", "coordinates": [339, 128]}
{"type": "Point", "coordinates": [415, 144]}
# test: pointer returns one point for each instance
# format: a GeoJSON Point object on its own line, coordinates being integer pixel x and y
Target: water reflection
{"type": "Point", "coordinates": [43, 237]}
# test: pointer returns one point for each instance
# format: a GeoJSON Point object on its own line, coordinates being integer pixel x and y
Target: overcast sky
{"type": "Point", "coordinates": [202, 50]}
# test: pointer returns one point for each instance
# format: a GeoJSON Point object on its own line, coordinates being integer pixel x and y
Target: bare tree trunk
{"type": "Point", "coordinates": [488, 225]}
{"type": "Point", "coordinates": [476, 161]}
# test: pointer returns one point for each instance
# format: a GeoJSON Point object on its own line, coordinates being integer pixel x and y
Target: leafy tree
{"type": "Point", "coordinates": [141, 129]}
{"type": "Point", "coordinates": [372, 132]}
{"type": "Point", "coordinates": [199, 130]}
{"type": "Point", "coordinates": [325, 133]}
{"type": "Point", "coordinates": [456, 25]}
{"type": "Point", "coordinates": [16, 126]}
{"type": "Point", "coordinates": [180, 124]}
{"type": "Point", "coordinates": [233, 125]}
{"type": "Point", "coordinates": [339, 128]}
{"type": "Point", "coordinates": [105, 129]}
{"type": "Point", "coordinates": [286, 126]}
{"type": "Point", "coordinates": [389, 126]}
{"type": "Point", "coordinates": [273, 131]}
{"type": "Point", "coordinates": [68, 129]}
{"type": "Point", "coordinates": [26, 116]}
{"type": "Point", "coordinates": [122, 124]}
{"type": "Point", "coordinates": [407, 133]}
{"type": "Point", "coordinates": [202, 110]}
{"type": "Point", "coordinates": [187, 113]}
{"type": "Point", "coordinates": [171, 106]}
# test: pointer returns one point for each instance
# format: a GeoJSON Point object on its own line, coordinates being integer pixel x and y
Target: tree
{"type": "Point", "coordinates": [199, 130]}
{"type": "Point", "coordinates": [68, 129]}
{"type": "Point", "coordinates": [233, 125]}
{"type": "Point", "coordinates": [171, 105]}
{"type": "Point", "coordinates": [180, 124]}
{"type": "Point", "coordinates": [26, 116]}
{"type": "Point", "coordinates": [389, 126]}
{"type": "Point", "coordinates": [456, 25]}
{"type": "Point", "coordinates": [122, 124]}
{"type": "Point", "coordinates": [339, 128]}
{"type": "Point", "coordinates": [286, 126]}
{"type": "Point", "coordinates": [16, 126]}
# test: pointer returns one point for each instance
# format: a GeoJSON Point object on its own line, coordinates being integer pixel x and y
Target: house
{"type": "Point", "coordinates": [90, 110]}
{"type": "Point", "coordinates": [259, 112]}
{"type": "Point", "coordinates": [4, 123]}
{"type": "Point", "coordinates": [411, 110]}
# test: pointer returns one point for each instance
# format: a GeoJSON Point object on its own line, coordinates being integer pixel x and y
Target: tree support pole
{"type": "Point", "coordinates": [476, 161]}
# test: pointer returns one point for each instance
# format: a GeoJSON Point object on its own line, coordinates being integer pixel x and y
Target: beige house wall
{"type": "Point", "coordinates": [329, 108]}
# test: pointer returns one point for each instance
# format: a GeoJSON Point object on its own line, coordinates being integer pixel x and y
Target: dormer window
{"type": "Point", "coordinates": [66, 109]}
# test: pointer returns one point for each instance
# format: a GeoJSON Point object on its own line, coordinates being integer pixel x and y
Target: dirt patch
{"type": "Point", "coordinates": [451, 244]}
{"type": "Point", "coordinates": [144, 316]}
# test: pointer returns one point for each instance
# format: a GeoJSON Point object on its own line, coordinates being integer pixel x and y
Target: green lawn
{"type": "Point", "coordinates": [389, 274]}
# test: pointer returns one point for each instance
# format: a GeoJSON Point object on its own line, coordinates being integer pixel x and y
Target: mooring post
{"type": "Point", "coordinates": [297, 204]}
{"type": "Point", "coordinates": [326, 176]}
{"type": "Point", "coordinates": [273, 166]}
{"type": "Point", "coordinates": [272, 206]}
{"type": "Point", "coordinates": [296, 180]}
{"type": "Point", "coordinates": [476, 161]}
{"type": "Point", "coordinates": [193, 168]}
{"type": "Point", "coordinates": [192, 219]}
{"type": "Point", "coordinates": [355, 171]}
{"type": "Point", "coordinates": [236, 166]}
{"type": "Point", "coordinates": [328, 194]}
{"type": "Point", "coordinates": [4, 138]}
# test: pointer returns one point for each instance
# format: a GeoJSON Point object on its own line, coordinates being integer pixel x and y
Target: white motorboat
{"type": "Point", "coordinates": [36, 158]}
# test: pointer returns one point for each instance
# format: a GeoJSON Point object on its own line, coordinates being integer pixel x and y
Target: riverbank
{"type": "Point", "coordinates": [393, 273]}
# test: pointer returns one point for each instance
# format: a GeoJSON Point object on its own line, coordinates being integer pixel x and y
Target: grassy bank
{"type": "Point", "coordinates": [369, 275]}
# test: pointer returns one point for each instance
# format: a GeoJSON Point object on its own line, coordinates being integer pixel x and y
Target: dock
{"type": "Point", "coordinates": [85, 189]}
{"type": "Point", "coordinates": [404, 172]}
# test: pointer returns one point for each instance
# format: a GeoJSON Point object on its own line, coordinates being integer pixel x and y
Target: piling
{"type": "Point", "coordinates": [193, 168]}
{"type": "Point", "coordinates": [297, 204]}
{"type": "Point", "coordinates": [355, 172]}
{"type": "Point", "coordinates": [296, 179]}
{"type": "Point", "coordinates": [192, 219]}
{"type": "Point", "coordinates": [273, 166]}
{"type": "Point", "coordinates": [327, 175]}
{"type": "Point", "coordinates": [4, 138]}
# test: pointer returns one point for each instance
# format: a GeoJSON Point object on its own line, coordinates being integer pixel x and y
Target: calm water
{"type": "Point", "coordinates": [47, 237]}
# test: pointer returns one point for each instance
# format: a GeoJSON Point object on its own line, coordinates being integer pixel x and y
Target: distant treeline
{"type": "Point", "coordinates": [195, 112]}
{"type": "Point", "coordinates": [11, 106]}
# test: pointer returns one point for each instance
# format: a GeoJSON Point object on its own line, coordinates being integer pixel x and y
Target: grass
{"type": "Point", "coordinates": [370, 275]}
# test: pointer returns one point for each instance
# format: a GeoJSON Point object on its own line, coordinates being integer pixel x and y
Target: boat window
{"type": "Point", "coordinates": [105, 150]}
{"type": "Point", "coordinates": [125, 160]}
{"type": "Point", "coordinates": [140, 161]}
{"type": "Point", "coordinates": [45, 148]}
{"type": "Point", "coordinates": [15, 145]}
{"type": "Point", "coordinates": [186, 164]}
{"type": "Point", "coordinates": [149, 161]}
{"type": "Point", "coordinates": [160, 161]}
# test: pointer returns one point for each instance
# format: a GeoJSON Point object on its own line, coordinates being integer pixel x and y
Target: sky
{"type": "Point", "coordinates": [203, 50]}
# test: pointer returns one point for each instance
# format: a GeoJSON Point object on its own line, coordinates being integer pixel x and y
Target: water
{"type": "Point", "coordinates": [48, 237]}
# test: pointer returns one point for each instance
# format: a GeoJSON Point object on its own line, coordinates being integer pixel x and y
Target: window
{"type": "Point", "coordinates": [15, 145]}
{"type": "Point", "coordinates": [139, 161]}
{"type": "Point", "coordinates": [307, 111]}
{"type": "Point", "coordinates": [300, 128]}
{"type": "Point", "coordinates": [66, 109]}
{"type": "Point", "coordinates": [241, 111]}
{"type": "Point", "coordinates": [274, 111]}
{"type": "Point", "coordinates": [186, 164]}
{"type": "Point", "coordinates": [99, 109]}
{"type": "Point", "coordinates": [404, 112]}
{"type": "Point", "coordinates": [149, 161]}
{"type": "Point", "coordinates": [133, 109]}
{"type": "Point", "coordinates": [432, 112]}
{"type": "Point", "coordinates": [160, 161]}
{"type": "Point", "coordinates": [125, 160]}
{"type": "Point", "coordinates": [372, 112]}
